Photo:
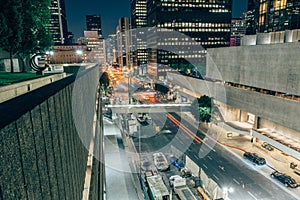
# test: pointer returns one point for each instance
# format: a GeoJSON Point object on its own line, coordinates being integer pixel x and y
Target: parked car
{"type": "Point", "coordinates": [175, 161]}
{"type": "Point", "coordinates": [267, 146]}
{"type": "Point", "coordinates": [253, 157]}
{"type": "Point", "coordinates": [285, 179]}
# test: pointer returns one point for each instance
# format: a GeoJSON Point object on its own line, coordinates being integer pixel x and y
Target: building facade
{"type": "Point", "coordinates": [93, 23]}
{"type": "Point", "coordinates": [110, 44]}
{"type": "Point", "coordinates": [58, 22]}
{"type": "Point", "coordinates": [273, 15]}
{"type": "Point", "coordinates": [67, 54]}
{"type": "Point", "coordinates": [139, 22]}
{"type": "Point", "coordinates": [203, 24]}
{"type": "Point", "coordinates": [251, 17]}
{"type": "Point", "coordinates": [238, 30]}
{"type": "Point", "coordinates": [124, 43]}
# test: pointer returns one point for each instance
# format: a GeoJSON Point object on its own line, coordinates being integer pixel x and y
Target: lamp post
{"type": "Point", "coordinates": [79, 53]}
{"type": "Point", "coordinates": [49, 56]}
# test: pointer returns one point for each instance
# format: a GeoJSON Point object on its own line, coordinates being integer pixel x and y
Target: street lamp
{"type": "Point", "coordinates": [50, 56]}
{"type": "Point", "coordinates": [79, 53]}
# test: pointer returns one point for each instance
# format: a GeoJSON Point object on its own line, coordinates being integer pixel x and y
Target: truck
{"type": "Point", "coordinates": [180, 188]}
{"type": "Point", "coordinates": [161, 162]}
{"type": "Point", "coordinates": [157, 188]}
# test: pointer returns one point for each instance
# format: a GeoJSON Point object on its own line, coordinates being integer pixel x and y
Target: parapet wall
{"type": "Point", "coordinates": [16, 89]}
{"type": "Point", "coordinates": [42, 155]}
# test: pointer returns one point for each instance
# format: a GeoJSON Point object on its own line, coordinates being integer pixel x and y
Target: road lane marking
{"type": "Point", "coordinates": [196, 157]}
{"type": "Point", "coordinates": [216, 177]}
{"type": "Point", "coordinates": [252, 195]}
{"type": "Point", "coordinates": [181, 142]}
{"type": "Point", "coordinates": [205, 166]}
{"type": "Point", "coordinates": [209, 158]}
{"type": "Point", "coordinates": [236, 181]}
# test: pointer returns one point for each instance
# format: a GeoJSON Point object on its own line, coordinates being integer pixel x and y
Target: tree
{"type": "Point", "coordinates": [24, 27]}
{"type": "Point", "coordinates": [36, 36]}
{"type": "Point", "coordinates": [201, 108]}
{"type": "Point", "coordinates": [104, 80]}
{"type": "Point", "coordinates": [10, 36]}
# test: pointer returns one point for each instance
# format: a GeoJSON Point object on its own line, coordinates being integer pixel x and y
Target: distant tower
{"type": "Point", "coordinates": [139, 21]}
{"type": "Point", "coordinates": [123, 37]}
{"type": "Point", "coordinates": [93, 23]}
{"type": "Point", "coordinates": [238, 30]}
{"type": "Point", "coordinates": [272, 15]}
{"type": "Point", "coordinates": [58, 22]}
{"type": "Point", "coordinates": [111, 56]}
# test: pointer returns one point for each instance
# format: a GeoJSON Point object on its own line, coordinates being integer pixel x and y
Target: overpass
{"type": "Point", "coordinates": [149, 108]}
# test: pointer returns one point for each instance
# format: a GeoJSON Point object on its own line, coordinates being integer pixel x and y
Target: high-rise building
{"type": "Point", "coordinates": [93, 23]}
{"type": "Point", "coordinates": [111, 49]}
{"type": "Point", "coordinates": [139, 22]}
{"type": "Point", "coordinates": [238, 30]}
{"type": "Point", "coordinates": [273, 15]}
{"type": "Point", "coordinates": [95, 47]}
{"type": "Point", "coordinates": [139, 13]}
{"type": "Point", "coordinates": [203, 22]}
{"type": "Point", "coordinates": [124, 43]}
{"type": "Point", "coordinates": [251, 17]}
{"type": "Point", "coordinates": [58, 22]}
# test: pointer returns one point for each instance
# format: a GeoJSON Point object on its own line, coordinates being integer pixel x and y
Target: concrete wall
{"type": "Point", "coordinates": [271, 67]}
{"type": "Point", "coordinates": [42, 155]}
{"type": "Point", "coordinates": [263, 123]}
{"type": "Point", "coordinates": [271, 38]}
{"type": "Point", "coordinates": [5, 65]}
{"type": "Point", "coordinates": [279, 110]}
{"type": "Point", "coordinates": [229, 113]}
{"type": "Point", "coordinates": [16, 89]}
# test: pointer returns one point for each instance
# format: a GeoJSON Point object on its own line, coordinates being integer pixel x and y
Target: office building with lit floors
{"type": "Point", "coordinates": [139, 36]}
{"type": "Point", "coordinates": [199, 25]}
{"type": "Point", "coordinates": [95, 47]}
{"type": "Point", "coordinates": [93, 23]}
{"type": "Point", "coordinates": [272, 15]}
{"type": "Point", "coordinates": [124, 43]}
{"type": "Point", "coordinates": [238, 30]}
{"type": "Point", "coordinates": [58, 22]}
{"type": "Point", "coordinates": [110, 45]}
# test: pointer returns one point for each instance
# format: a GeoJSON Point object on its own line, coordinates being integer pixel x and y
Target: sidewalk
{"type": "Point", "coordinates": [120, 183]}
{"type": "Point", "coordinates": [275, 159]}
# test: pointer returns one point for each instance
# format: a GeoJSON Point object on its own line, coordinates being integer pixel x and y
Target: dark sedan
{"type": "Point", "coordinates": [285, 179]}
{"type": "Point", "coordinates": [253, 157]}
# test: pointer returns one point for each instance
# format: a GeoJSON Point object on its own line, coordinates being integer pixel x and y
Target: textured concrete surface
{"type": "Point", "coordinates": [41, 153]}
{"type": "Point", "coordinates": [279, 110]}
{"type": "Point", "coordinates": [272, 67]}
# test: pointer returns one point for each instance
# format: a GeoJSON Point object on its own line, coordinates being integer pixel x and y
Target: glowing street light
{"type": "Point", "coordinates": [79, 52]}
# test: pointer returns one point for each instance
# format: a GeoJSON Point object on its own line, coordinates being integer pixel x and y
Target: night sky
{"type": "Point", "coordinates": [111, 11]}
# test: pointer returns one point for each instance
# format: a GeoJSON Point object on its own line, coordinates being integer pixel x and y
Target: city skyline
{"type": "Point", "coordinates": [196, 103]}
{"type": "Point", "coordinates": [111, 12]}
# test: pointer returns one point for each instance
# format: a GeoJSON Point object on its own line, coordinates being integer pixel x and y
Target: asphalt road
{"type": "Point", "coordinates": [248, 181]}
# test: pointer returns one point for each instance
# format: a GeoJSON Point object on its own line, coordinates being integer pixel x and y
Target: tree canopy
{"type": "Point", "coordinates": [104, 80]}
{"type": "Point", "coordinates": [201, 108]}
{"type": "Point", "coordinates": [24, 27]}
